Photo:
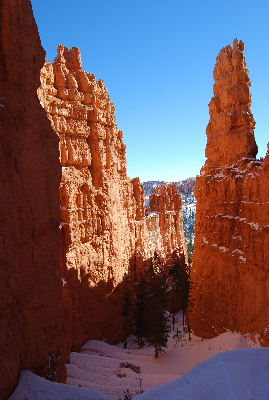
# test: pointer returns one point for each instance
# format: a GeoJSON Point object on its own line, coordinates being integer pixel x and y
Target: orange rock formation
{"type": "Point", "coordinates": [166, 201]}
{"type": "Point", "coordinates": [63, 258]}
{"type": "Point", "coordinates": [105, 230]}
{"type": "Point", "coordinates": [31, 313]}
{"type": "Point", "coordinates": [231, 257]}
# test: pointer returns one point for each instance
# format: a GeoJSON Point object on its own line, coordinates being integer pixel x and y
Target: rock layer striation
{"type": "Point", "coordinates": [105, 231]}
{"type": "Point", "coordinates": [231, 256]}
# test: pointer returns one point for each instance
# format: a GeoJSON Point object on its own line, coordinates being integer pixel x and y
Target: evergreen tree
{"type": "Point", "coordinates": [127, 309]}
{"type": "Point", "coordinates": [180, 288]}
{"type": "Point", "coordinates": [187, 301]}
{"type": "Point", "coordinates": [157, 318]}
{"type": "Point", "coordinates": [140, 315]}
{"type": "Point", "coordinates": [176, 284]}
{"type": "Point", "coordinates": [151, 318]}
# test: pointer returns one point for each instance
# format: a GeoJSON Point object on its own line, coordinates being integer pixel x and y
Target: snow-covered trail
{"type": "Point", "coordinates": [113, 370]}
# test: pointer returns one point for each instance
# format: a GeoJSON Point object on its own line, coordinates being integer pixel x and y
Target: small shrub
{"type": "Point", "coordinates": [120, 374]}
{"type": "Point", "coordinates": [133, 367]}
{"type": "Point", "coordinates": [127, 395]}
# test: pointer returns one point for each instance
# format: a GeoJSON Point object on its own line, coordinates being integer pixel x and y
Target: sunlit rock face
{"type": "Point", "coordinates": [104, 228]}
{"type": "Point", "coordinates": [231, 256]}
{"type": "Point", "coordinates": [167, 203]}
{"type": "Point", "coordinates": [72, 224]}
{"type": "Point", "coordinates": [230, 132]}
{"type": "Point", "coordinates": [32, 334]}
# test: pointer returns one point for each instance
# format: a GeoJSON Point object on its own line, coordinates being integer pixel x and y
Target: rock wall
{"type": "Point", "coordinates": [72, 224]}
{"type": "Point", "coordinates": [165, 204]}
{"type": "Point", "coordinates": [104, 228]}
{"type": "Point", "coordinates": [31, 323]}
{"type": "Point", "coordinates": [231, 256]}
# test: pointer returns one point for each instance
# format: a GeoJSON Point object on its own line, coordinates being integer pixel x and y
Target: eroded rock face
{"type": "Point", "coordinates": [31, 324]}
{"type": "Point", "coordinates": [166, 202]}
{"type": "Point", "coordinates": [231, 256]}
{"type": "Point", "coordinates": [230, 132]}
{"type": "Point", "coordinates": [105, 231]}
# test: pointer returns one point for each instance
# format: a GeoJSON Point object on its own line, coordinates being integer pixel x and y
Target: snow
{"type": "Point", "coordinates": [153, 214]}
{"type": "Point", "coordinates": [219, 176]}
{"type": "Point", "coordinates": [189, 215]}
{"type": "Point", "coordinates": [236, 375]}
{"type": "Point", "coordinates": [254, 225]}
{"type": "Point", "coordinates": [237, 237]}
{"type": "Point", "coordinates": [237, 251]}
{"type": "Point", "coordinates": [223, 249]}
{"type": "Point", "coordinates": [100, 365]}
{"type": "Point", "coordinates": [32, 387]}
{"type": "Point", "coordinates": [240, 171]}
{"type": "Point", "coordinates": [112, 370]}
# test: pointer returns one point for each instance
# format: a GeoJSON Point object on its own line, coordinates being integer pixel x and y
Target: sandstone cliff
{"type": "Point", "coordinates": [104, 228]}
{"type": "Point", "coordinates": [72, 224]}
{"type": "Point", "coordinates": [31, 331]}
{"type": "Point", "coordinates": [166, 202]}
{"type": "Point", "coordinates": [231, 256]}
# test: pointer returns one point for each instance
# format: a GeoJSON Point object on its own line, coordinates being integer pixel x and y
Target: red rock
{"type": "Point", "coordinates": [231, 256]}
{"type": "Point", "coordinates": [64, 258]}
{"type": "Point", "coordinates": [31, 323]}
{"type": "Point", "coordinates": [230, 132]}
{"type": "Point", "coordinates": [166, 201]}
{"type": "Point", "coordinates": [105, 230]}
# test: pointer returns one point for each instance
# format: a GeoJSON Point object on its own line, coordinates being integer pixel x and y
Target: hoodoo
{"type": "Point", "coordinates": [231, 258]}
{"type": "Point", "coordinates": [104, 227]}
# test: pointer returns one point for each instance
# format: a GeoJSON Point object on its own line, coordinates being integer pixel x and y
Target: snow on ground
{"type": "Point", "coordinates": [114, 371]}
{"type": "Point", "coordinates": [120, 374]}
{"type": "Point", "coordinates": [32, 387]}
{"type": "Point", "coordinates": [234, 375]}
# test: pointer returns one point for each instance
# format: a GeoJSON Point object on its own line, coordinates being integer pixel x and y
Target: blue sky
{"type": "Point", "coordinates": [157, 59]}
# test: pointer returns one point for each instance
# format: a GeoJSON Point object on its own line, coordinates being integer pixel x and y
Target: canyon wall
{"type": "Point", "coordinates": [31, 323]}
{"type": "Point", "coordinates": [105, 232]}
{"type": "Point", "coordinates": [231, 257]}
{"type": "Point", "coordinates": [73, 226]}
{"type": "Point", "coordinates": [165, 204]}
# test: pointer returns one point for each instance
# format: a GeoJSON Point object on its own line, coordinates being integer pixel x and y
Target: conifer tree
{"type": "Point", "coordinates": [127, 309]}
{"type": "Point", "coordinates": [140, 315]}
{"type": "Point", "coordinates": [157, 319]}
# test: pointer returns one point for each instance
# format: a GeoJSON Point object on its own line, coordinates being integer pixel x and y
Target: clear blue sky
{"type": "Point", "coordinates": [157, 59]}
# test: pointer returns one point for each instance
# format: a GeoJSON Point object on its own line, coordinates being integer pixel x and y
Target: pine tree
{"type": "Point", "coordinates": [180, 288]}
{"type": "Point", "coordinates": [177, 282]}
{"type": "Point", "coordinates": [140, 315]}
{"type": "Point", "coordinates": [127, 309]}
{"type": "Point", "coordinates": [158, 320]}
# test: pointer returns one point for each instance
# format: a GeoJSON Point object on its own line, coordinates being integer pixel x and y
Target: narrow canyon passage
{"type": "Point", "coordinates": [80, 240]}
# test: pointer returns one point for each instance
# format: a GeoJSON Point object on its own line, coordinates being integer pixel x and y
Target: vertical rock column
{"type": "Point", "coordinates": [230, 132]}
{"type": "Point", "coordinates": [231, 256]}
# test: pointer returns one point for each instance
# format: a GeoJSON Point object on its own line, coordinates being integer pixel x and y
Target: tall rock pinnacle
{"type": "Point", "coordinates": [230, 267]}
{"type": "Point", "coordinates": [230, 132]}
